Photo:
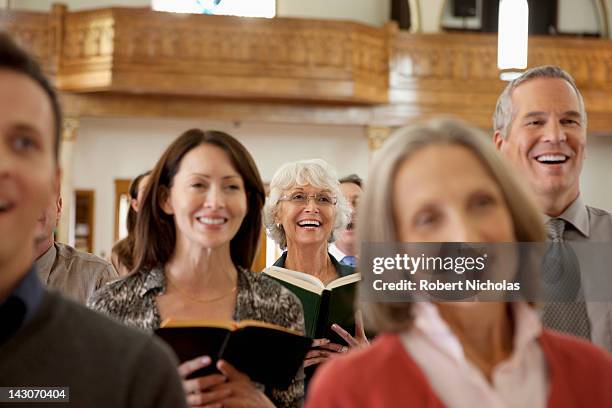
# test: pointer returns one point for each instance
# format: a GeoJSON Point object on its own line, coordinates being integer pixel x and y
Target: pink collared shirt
{"type": "Point", "coordinates": [519, 381]}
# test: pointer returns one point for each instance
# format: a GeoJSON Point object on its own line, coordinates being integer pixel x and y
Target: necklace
{"type": "Point", "coordinates": [199, 300]}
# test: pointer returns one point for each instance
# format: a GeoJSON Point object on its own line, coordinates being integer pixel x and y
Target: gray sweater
{"type": "Point", "coordinates": [103, 363]}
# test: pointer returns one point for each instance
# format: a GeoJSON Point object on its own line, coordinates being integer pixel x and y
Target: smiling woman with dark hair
{"type": "Point", "coordinates": [196, 237]}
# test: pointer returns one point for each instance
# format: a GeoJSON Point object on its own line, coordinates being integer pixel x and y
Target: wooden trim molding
{"type": "Point", "coordinates": [377, 136]}
{"type": "Point", "coordinates": [259, 263]}
{"type": "Point", "coordinates": [70, 125]}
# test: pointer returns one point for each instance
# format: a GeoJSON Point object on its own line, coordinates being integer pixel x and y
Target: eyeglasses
{"type": "Point", "coordinates": [300, 198]}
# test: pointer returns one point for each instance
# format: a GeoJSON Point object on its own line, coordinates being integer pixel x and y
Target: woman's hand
{"type": "Point", "coordinates": [199, 391]}
{"type": "Point", "coordinates": [239, 390]}
{"type": "Point", "coordinates": [360, 340]}
{"type": "Point", "coordinates": [230, 389]}
{"type": "Point", "coordinates": [322, 349]}
{"type": "Point", "coordinates": [319, 352]}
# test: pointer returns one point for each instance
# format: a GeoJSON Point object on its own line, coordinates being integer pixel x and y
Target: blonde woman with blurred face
{"type": "Point", "coordinates": [445, 184]}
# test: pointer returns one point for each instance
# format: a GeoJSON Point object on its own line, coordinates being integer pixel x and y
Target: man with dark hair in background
{"type": "Point", "coordinates": [73, 273]}
{"type": "Point", "coordinates": [46, 340]}
{"type": "Point", "coordinates": [344, 248]}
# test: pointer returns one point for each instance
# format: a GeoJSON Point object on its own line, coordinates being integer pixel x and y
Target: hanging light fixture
{"type": "Point", "coordinates": [512, 38]}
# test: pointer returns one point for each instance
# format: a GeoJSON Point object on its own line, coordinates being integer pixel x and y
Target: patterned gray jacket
{"type": "Point", "coordinates": [132, 301]}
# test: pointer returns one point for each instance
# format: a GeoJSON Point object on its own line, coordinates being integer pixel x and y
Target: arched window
{"type": "Point", "coordinates": [243, 8]}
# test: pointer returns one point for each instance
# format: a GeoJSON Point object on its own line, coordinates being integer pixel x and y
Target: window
{"type": "Point", "coordinates": [122, 207]}
{"type": "Point", "coordinates": [243, 8]}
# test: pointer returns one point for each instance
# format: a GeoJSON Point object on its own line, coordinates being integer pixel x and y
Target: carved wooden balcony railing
{"type": "Point", "coordinates": [457, 74]}
{"type": "Point", "coordinates": [136, 62]}
{"type": "Point", "coordinates": [135, 50]}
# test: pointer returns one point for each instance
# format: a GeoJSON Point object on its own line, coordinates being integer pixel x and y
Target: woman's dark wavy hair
{"type": "Point", "coordinates": [124, 249]}
{"type": "Point", "coordinates": [156, 230]}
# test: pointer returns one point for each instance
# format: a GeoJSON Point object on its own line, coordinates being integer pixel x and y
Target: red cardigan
{"type": "Point", "coordinates": [384, 375]}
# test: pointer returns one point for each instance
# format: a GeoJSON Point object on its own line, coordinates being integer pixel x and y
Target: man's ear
{"type": "Point", "coordinates": [57, 191]}
{"type": "Point", "coordinates": [498, 140]}
{"type": "Point", "coordinates": [164, 200]}
{"type": "Point", "coordinates": [60, 205]}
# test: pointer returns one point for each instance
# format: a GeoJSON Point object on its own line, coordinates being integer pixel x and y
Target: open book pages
{"type": "Point", "coordinates": [228, 324]}
{"type": "Point", "coordinates": [309, 282]}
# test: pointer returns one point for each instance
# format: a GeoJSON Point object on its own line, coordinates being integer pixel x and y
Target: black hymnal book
{"type": "Point", "coordinates": [267, 353]}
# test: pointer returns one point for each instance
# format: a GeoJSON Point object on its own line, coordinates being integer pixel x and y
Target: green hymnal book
{"type": "Point", "coordinates": [323, 305]}
{"type": "Point", "coordinates": [267, 353]}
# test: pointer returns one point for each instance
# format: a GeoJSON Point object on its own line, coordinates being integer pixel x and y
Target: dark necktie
{"type": "Point", "coordinates": [349, 260]}
{"type": "Point", "coordinates": [561, 280]}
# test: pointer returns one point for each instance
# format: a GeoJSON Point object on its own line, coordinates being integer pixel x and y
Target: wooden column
{"type": "Point", "coordinates": [377, 136]}
{"type": "Point", "coordinates": [65, 228]}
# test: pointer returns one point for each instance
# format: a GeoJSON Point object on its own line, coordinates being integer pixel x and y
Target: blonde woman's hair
{"type": "Point", "coordinates": [377, 200]}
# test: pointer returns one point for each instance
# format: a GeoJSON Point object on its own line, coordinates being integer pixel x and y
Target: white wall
{"type": "Point", "coordinates": [430, 13]}
{"type": "Point", "coordinates": [596, 180]}
{"type": "Point", "coordinates": [109, 149]}
{"type": "Point", "coordinates": [577, 16]}
{"type": "Point", "coordinates": [374, 12]}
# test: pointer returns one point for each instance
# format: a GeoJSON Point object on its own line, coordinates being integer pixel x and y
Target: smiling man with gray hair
{"type": "Point", "coordinates": [540, 126]}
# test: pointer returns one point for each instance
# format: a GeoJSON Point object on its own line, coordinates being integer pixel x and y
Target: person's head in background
{"type": "Point", "coordinates": [540, 126]}
{"type": "Point", "coordinates": [351, 187]}
{"type": "Point", "coordinates": [205, 192]}
{"type": "Point", "coordinates": [441, 181]}
{"type": "Point", "coordinates": [136, 191]}
{"type": "Point", "coordinates": [30, 121]}
{"type": "Point", "coordinates": [47, 223]}
{"type": "Point", "coordinates": [122, 256]}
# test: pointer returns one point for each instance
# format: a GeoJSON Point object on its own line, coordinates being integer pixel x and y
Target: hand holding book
{"type": "Point", "coordinates": [230, 388]}
{"type": "Point", "coordinates": [250, 346]}
{"type": "Point", "coordinates": [322, 349]}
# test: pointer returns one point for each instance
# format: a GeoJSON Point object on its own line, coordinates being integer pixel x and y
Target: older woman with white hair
{"type": "Point", "coordinates": [303, 214]}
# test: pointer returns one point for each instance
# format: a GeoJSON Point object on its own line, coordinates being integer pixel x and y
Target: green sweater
{"type": "Point", "coordinates": [103, 363]}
